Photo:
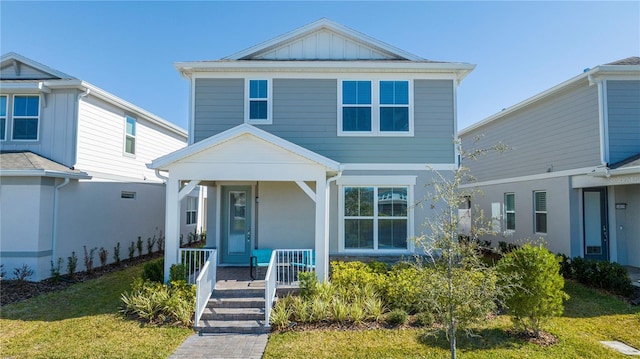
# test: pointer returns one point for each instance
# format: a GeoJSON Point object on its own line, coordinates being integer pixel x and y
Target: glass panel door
{"type": "Point", "coordinates": [595, 224]}
{"type": "Point", "coordinates": [236, 225]}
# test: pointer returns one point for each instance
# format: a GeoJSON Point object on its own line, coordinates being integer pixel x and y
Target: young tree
{"type": "Point", "coordinates": [469, 289]}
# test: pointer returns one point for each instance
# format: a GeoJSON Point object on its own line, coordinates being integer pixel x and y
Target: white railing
{"type": "Point", "coordinates": [205, 283]}
{"type": "Point", "coordinates": [270, 284]}
{"type": "Point", "coordinates": [194, 260]}
{"type": "Point", "coordinates": [284, 267]}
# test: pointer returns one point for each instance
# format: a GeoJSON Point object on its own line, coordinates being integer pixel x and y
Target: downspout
{"type": "Point", "coordinates": [604, 131]}
{"type": "Point", "coordinates": [54, 237]}
{"type": "Point", "coordinates": [327, 209]}
{"type": "Point", "coordinates": [164, 178]}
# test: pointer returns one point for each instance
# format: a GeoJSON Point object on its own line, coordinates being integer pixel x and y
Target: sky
{"type": "Point", "coordinates": [129, 48]}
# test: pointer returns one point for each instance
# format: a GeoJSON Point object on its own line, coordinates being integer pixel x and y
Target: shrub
{"type": "Point", "coordinates": [538, 292]}
{"type": "Point", "coordinates": [160, 242]}
{"type": "Point", "coordinates": [300, 309]}
{"type": "Point", "coordinates": [396, 317]}
{"type": "Point", "coordinates": [55, 270]}
{"type": "Point", "coordinates": [103, 254]}
{"type": "Point", "coordinates": [424, 319]}
{"type": "Point", "coordinates": [88, 258]}
{"type": "Point", "coordinates": [160, 303]}
{"type": "Point", "coordinates": [177, 272]}
{"type": "Point", "coordinates": [406, 288]}
{"type": "Point", "coordinates": [139, 246]}
{"type": "Point", "coordinates": [612, 277]}
{"type": "Point", "coordinates": [154, 271]}
{"type": "Point", "coordinates": [151, 242]}
{"type": "Point", "coordinates": [116, 254]}
{"type": "Point", "coordinates": [281, 313]}
{"type": "Point", "coordinates": [378, 267]}
{"type": "Point", "coordinates": [132, 250]}
{"type": "Point", "coordinates": [349, 275]}
{"type": "Point", "coordinates": [72, 263]}
{"type": "Point", "coordinates": [22, 273]}
{"type": "Point", "coordinates": [3, 272]}
{"type": "Point", "coordinates": [339, 310]}
{"type": "Point", "coordinates": [308, 284]}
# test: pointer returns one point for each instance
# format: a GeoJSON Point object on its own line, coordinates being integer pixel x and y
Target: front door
{"type": "Point", "coordinates": [236, 225]}
{"type": "Point", "coordinates": [596, 231]}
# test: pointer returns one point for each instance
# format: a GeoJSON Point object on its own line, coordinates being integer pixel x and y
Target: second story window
{"type": "Point", "coordinates": [130, 136]}
{"type": "Point", "coordinates": [510, 211]}
{"type": "Point", "coordinates": [258, 102]}
{"type": "Point", "coordinates": [3, 117]}
{"type": "Point", "coordinates": [540, 208]}
{"type": "Point", "coordinates": [26, 117]}
{"type": "Point", "coordinates": [375, 108]}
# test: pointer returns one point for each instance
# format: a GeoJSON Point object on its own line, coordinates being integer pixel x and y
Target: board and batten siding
{"type": "Point", "coordinates": [101, 136]}
{"type": "Point", "coordinates": [57, 128]}
{"type": "Point", "coordinates": [305, 112]}
{"type": "Point", "coordinates": [560, 132]}
{"type": "Point", "coordinates": [623, 109]}
{"type": "Point", "coordinates": [24, 72]}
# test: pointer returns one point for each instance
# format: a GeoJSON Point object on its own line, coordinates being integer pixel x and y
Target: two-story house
{"type": "Point", "coordinates": [73, 169]}
{"type": "Point", "coordinates": [572, 176]}
{"type": "Point", "coordinates": [321, 138]}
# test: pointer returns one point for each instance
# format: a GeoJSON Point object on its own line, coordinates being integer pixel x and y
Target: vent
{"type": "Point", "coordinates": [127, 195]}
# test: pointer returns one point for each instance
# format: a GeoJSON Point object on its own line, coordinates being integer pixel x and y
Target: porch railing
{"type": "Point", "coordinates": [194, 260]}
{"type": "Point", "coordinates": [284, 267]}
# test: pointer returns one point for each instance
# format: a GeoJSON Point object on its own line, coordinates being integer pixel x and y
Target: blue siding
{"type": "Point", "coordinates": [623, 107]}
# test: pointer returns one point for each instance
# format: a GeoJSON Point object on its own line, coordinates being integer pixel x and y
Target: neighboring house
{"type": "Point", "coordinates": [572, 176]}
{"type": "Point", "coordinates": [321, 138]}
{"type": "Point", "coordinates": [73, 169]}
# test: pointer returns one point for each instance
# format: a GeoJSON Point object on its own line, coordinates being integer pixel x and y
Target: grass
{"type": "Point", "coordinates": [83, 322]}
{"type": "Point", "coordinates": [589, 317]}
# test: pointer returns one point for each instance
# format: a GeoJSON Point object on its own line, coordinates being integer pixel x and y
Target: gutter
{"type": "Point", "coordinates": [164, 178]}
{"type": "Point", "coordinates": [54, 237]}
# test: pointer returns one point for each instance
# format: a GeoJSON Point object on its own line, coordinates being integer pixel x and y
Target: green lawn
{"type": "Point", "coordinates": [589, 317]}
{"type": "Point", "coordinates": [83, 322]}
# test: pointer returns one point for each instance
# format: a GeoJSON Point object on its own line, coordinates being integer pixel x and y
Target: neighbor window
{"type": "Point", "coordinates": [130, 136]}
{"type": "Point", "coordinates": [374, 108]}
{"type": "Point", "coordinates": [258, 101]}
{"type": "Point", "coordinates": [375, 218]}
{"type": "Point", "coordinates": [540, 208]}
{"type": "Point", "coordinates": [192, 210]}
{"type": "Point", "coordinates": [26, 115]}
{"type": "Point", "coordinates": [3, 117]}
{"type": "Point", "coordinates": [510, 211]}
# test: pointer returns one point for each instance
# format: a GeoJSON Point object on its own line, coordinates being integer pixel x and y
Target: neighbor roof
{"type": "Point", "coordinates": [27, 163]}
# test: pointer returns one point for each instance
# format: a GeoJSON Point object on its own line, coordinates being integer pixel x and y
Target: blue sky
{"type": "Point", "coordinates": [129, 48]}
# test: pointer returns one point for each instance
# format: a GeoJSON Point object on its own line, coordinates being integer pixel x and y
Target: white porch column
{"type": "Point", "coordinates": [171, 225]}
{"type": "Point", "coordinates": [321, 242]}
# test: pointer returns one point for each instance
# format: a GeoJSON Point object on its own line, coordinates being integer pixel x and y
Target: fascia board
{"type": "Point", "coordinates": [117, 101]}
{"type": "Point", "coordinates": [602, 71]}
{"type": "Point", "coordinates": [163, 162]}
{"type": "Point", "coordinates": [43, 173]}
{"type": "Point", "coordinates": [315, 26]}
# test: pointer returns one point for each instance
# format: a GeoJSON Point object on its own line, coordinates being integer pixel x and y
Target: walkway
{"type": "Point", "coordinates": [225, 346]}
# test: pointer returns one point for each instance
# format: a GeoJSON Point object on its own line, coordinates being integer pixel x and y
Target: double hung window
{"type": "Point", "coordinates": [375, 108]}
{"type": "Point", "coordinates": [375, 218]}
{"type": "Point", "coordinates": [3, 118]}
{"type": "Point", "coordinates": [26, 116]}
{"type": "Point", "coordinates": [130, 136]}
{"type": "Point", "coordinates": [192, 210]}
{"type": "Point", "coordinates": [510, 211]}
{"type": "Point", "coordinates": [258, 101]}
{"type": "Point", "coordinates": [540, 209]}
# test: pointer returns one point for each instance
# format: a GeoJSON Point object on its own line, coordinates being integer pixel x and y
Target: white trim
{"type": "Point", "coordinates": [303, 186]}
{"type": "Point", "coordinates": [247, 101]}
{"type": "Point", "coordinates": [540, 176]}
{"type": "Point", "coordinates": [605, 123]}
{"type": "Point", "coordinates": [126, 135]}
{"type": "Point", "coordinates": [43, 173]}
{"type": "Point", "coordinates": [535, 211]}
{"type": "Point", "coordinates": [399, 166]}
{"type": "Point", "coordinates": [318, 25]}
{"type": "Point", "coordinates": [192, 106]}
{"type": "Point", "coordinates": [182, 193]}
{"type": "Point", "coordinates": [31, 63]}
{"type": "Point", "coordinates": [13, 117]}
{"type": "Point", "coordinates": [346, 180]}
{"type": "Point", "coordinates": [375, 106]}
{"type": "Point", "coordinates": [296, 73]}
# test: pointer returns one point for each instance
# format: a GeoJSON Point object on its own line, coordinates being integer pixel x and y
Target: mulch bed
{"type": "Point", "coordinates": [543, 338]}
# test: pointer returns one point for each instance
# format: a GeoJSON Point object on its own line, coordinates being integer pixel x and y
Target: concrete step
{"type": "Point", "coordinates": [247, 302]}
{"type": "Point", "coordinates": [235, 326]}
{"type": "Point", "coordinates": [238, 292]}
{"type": "Point", "coordinates": [233, 314]}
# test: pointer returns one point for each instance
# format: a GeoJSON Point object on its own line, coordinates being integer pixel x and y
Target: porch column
{"type": "Point", "coordinates": [171, 225]}
{"type": "Point", "coordinates": [322, 245]}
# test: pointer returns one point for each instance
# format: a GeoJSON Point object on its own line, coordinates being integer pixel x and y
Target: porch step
{"type": "Point", "coordinates": [239, 291]}
{"type": "Point", "coordinates": [246, 302]}
{"type": "Point", "coordinates": [233, 314]}
{"type": "Point", "coordinates": [233, 326]}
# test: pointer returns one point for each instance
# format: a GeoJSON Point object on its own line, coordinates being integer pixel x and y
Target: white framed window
{"type": "Point", "coordinates": [192, 210]}
{"type": "Point", "coordinates": [375, 108]}
{"type": "Point", "coordinates": [375, 217]}
{"type": "Point", "coordinates": [258, 103]}
{"type": "Point", "coordinates": [3, 117]}
{"type": "Point", "coordinates": [510, 211]}
{"type": "Point", "coordinates": [130, 135]}
{"type": "Point", "coordinates": [540, 211]}
{"type": "Point", "coordinates": [26, 117]}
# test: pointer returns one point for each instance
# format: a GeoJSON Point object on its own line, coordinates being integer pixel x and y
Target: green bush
{"type": "Point", "coordinates": [350, 275]}
{"type": "Point", "coordinates": [378, 267]}
{"type": "Point", "coordinates": [308, 284]}
{"type": "Point", "coordinates": [396, 317]}
{"type": "Point", "coordinates": [406, 288]}
{"type": "Point", "coordinates": [612, 277]}
{"type": "Point", "coordinates": [177, 272]}
{"type": "Point", "coordinates": [160, 303]}
{"type": "Point", "coordinates": [537, 293]}
{"type": "Point", "coordinates": [281, 313]}
{"type": "Point", "coordinates": [425, 319]}
{"type": "Point", "coordinates": [154, 271]}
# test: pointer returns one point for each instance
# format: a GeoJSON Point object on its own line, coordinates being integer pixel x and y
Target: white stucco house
{"type": "Point", "coordinates": [322, 138]}
{"type": "Point", "coordinates": [572, 176]}
{"type": "Point", "coordinates": [73, 169]}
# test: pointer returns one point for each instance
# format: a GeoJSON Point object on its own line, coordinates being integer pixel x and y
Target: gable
{"type": "Point", "coordinates": [17, 67]}
{"type": "Point", "coordinates": [323, 40]}
{"type": "Point", "coordinates": [324, 44]}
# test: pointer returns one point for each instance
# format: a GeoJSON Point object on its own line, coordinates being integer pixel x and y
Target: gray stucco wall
{"type": "Point", "coordinates": [560, 132]}
{"type": "Point", "coordinates": [305, 113]}
{"type": "Point", "coordinates": [623, 108]}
